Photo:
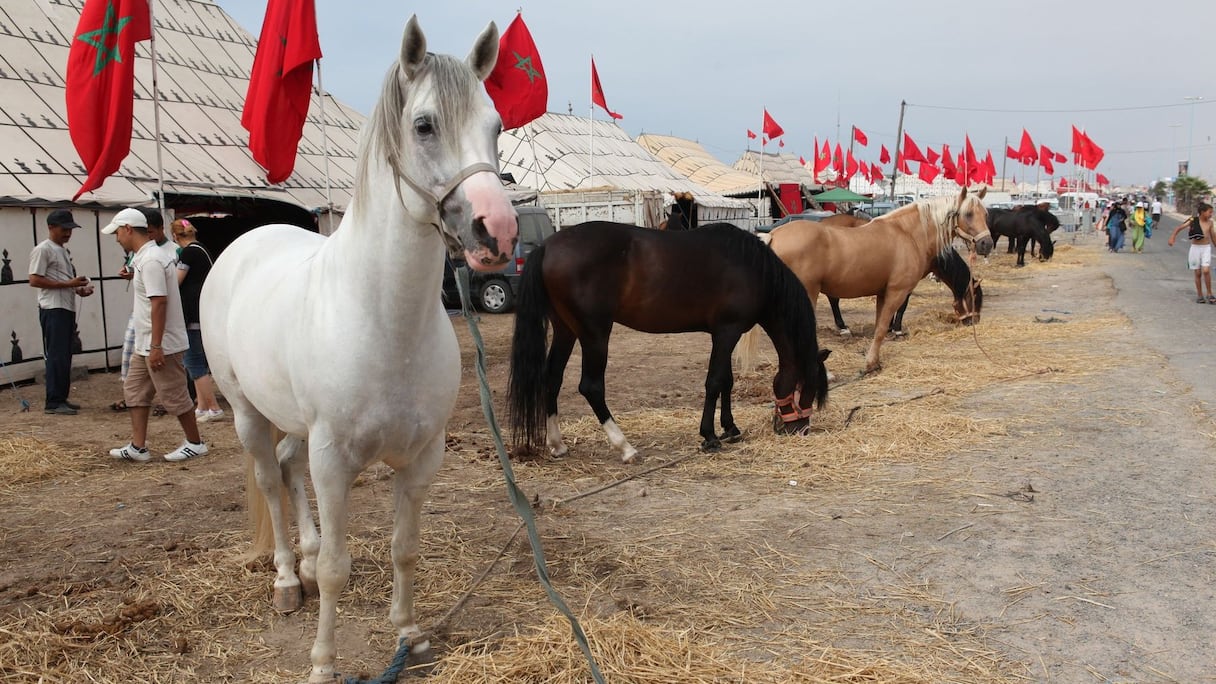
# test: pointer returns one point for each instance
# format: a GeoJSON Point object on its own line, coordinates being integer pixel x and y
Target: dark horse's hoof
{"type": "Point", "coordinates": [794, 427]}
{"type": "Point", "coordinates": [731, 436]}
{"type": "Point", "coordinates": [1020, 266]}
{"type": "Point", "coordinates": [711, 445]}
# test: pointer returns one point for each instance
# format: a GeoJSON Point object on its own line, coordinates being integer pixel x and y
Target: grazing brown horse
{"type": "Point", "coordinates": [886, 257]}
{"type": "Point", "coordinates": [716, 279]}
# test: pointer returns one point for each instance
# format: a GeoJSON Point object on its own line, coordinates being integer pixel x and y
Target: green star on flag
{"type": "Point", "coordinates": [111, 26]}
{"type": "Point", "coordinates": [524, 64]}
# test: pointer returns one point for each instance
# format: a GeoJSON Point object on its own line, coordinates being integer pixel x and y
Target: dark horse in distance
{"type": "Point", "coordinates": [1022, 225]}
{"type": "Point", "coordinates": [716, 279]}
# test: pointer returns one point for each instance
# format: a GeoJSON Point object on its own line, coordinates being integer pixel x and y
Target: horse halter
{"type": "Point", "coordinates": [453, 243]}
{"type": "Point", "coordinates": [952, 220]}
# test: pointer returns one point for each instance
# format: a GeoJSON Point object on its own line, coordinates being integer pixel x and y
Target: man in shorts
{"type": "Point", "coordinates": [160, 342]}
{"type": "Point", "coordinates": [1200, 257]}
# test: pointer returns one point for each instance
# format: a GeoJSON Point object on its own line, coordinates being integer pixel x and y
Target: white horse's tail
{"type": "Point", "coordinates": [747, 349]}
{"type": "Point", "coordinates": [259, 512]}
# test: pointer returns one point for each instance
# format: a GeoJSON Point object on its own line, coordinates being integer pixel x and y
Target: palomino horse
{"type": "Point", "coordinates": [716, 279]}
{"type": "Point", "coordinates": [342, 342]}
{"type": "Point", "coordinates": [886, 257]}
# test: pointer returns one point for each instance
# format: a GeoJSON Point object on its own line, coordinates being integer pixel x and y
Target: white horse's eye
{"type": "Point", "coordinates": [423, 125]}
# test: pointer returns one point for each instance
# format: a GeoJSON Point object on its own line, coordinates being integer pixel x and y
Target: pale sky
{"type": "Point", "coordinates": [706, 70]}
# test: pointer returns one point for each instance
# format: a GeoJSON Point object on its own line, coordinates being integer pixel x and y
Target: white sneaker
{"type": "Point", "coordinates": [187, 451]}
{"type": "Point", "coordinates": [130, 453]}
{"type": "Point", "coordinates": [208, 416]}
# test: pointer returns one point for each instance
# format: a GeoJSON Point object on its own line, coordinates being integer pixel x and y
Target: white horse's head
{"type": "Point", "coordinates": [438, 132]}
{"type": "Point", "coordinates": [971, 220]}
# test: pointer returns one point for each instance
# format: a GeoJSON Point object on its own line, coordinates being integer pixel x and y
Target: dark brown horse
{"type": "Point", "coordinates": [886, 257]}
{"type": "Point", "coordinates": [716, 279]}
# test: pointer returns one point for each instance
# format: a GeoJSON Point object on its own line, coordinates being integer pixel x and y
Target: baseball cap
{"type": "Point", "coordinates": [62, 218]}
{"type": "Point", "coordinates": [126, 217]}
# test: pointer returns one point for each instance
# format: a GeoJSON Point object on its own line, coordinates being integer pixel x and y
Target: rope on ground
{"type": "Point", "coordinates": [25, 405]}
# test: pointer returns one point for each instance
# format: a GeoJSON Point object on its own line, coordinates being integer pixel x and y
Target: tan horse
{"type": "Point", "coordinates": [886, 257]}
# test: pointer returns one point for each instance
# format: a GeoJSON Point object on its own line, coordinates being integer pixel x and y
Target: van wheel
{"type": "Point", "coordinates": [495, 296]}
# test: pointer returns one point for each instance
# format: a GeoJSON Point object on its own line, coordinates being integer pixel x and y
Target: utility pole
{"type": "Point", "coordinates": [899, 141]}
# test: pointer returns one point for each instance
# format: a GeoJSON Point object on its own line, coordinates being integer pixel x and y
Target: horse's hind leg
{"type": "Point", "coordinates": [555, 369]}
{"type": "Point", "coordinates": [294, 468]}
{"type": "Point", "coordinates": [840, 325]}
{"type": "Point", "coordinates": [255, 434]}
{"type": "Point", "coordinates": [591, 386]}
{"type": "Point", "coordinates": [882, 322]}
{"type": "Point", "coordinates": [410, 485]}
{"type": "Point", "coordinates": [1022, 251]}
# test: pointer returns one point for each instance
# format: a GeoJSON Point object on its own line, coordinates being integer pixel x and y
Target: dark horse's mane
{"type": "Point", "coordinates": [787, 304]}
{"type": "Point", "coordinates": [953, 270]}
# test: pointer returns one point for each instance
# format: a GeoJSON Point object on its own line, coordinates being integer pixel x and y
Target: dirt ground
{"type": "Point", "coordinates": [1004, 503]}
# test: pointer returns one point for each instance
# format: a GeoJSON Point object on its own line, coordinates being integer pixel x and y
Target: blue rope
{"type": "Point", "coordinates": [394, 669]}
{"type": "Point", "coordinates": [25, 405]}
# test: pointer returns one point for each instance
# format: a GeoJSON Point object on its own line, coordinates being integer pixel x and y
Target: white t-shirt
{"type": "Point", "coordinates": [53, 261]}
{"type": "Point", "coordinates": [1156, 207]}
{"type": "Point", "coordinates": [156, 276]}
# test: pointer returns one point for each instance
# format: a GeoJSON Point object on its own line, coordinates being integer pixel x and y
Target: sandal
{"type": "Point", "coordinates": [1201, 300]}
{"type": "Point", "coordinates": [119, 405]}
{"type": "Point", "coordinates": [1211, 299]}
{"type": "Point", "coordinates": [159, 410]}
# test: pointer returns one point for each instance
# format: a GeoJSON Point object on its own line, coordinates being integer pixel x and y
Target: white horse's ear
{"type": "Point", "coordinates": [962, 195]}
{"type": "Point", "coordinates": [983, 191]}
{"type": "Point", "coordinates": [484, 54]}
{"type": "Point", "coordinates": [413, 47]}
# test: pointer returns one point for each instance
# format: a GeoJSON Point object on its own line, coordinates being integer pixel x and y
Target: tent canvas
{"type": "Point", "coordinates": [839, 195]}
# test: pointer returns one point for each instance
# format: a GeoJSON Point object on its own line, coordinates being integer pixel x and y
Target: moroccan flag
{"type": "Point", "coordinates": [750, 134]}
{"type": "Point", "coordinates": [1027, 149]}
{"type": "Point", "coordinates": [597, 92]}
{"type": "Point", "coordinates": [771, 129]}
{"type": "Point", "coordinates": [911, 151]}
{"type": "Point", "coordinates": [518, 85]}
{"type": "Point", "coordinates": [1012, 153]}
{"type": "Point", "coordinates": [823, 159]}
{"type": "Point", "coordinates": [884, 156]}
{"type": "Point", "coordinates": [101, 84]}
{"type": "Point", "coordinates": [780, 143]}
{"type": "Point", "coordinates": [931, 156]}
{"type": "Point", "coordinates": [801, 161]}
{"type": "Point", "coordinates": [1102, 180]}
{"type": "Point", "coordinates": [1078, 144]}
{"type": "Point", "coordinates": [1060, 158]}
{"type": "Point", "coordinates": [838, 161]}
{"type": "Point", "coordinates": [860, 137]}
{"type": "Point", "coordinates": [962, 170]}
{"type": "Point", "coordinates": [948, 166]}
{"type": "Point", "coordinates": [280, 85]}
{"type": "Point", "coordinates": [901, 163]}
{"type": "Point", "coordinates": [1045, 157]}
{"type": "Point", "coordinates": [927, 172]}
{"type": "Point", "coordinates": [989, 168]}
{"type": "Point", "coordinates": [1093, 154]}
{"type": "Point", "coordinates": [851, 167]}
{"type": "Point", "coordinates": [876, 173]}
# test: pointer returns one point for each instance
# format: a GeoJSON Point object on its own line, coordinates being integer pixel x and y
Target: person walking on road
{"type": "Point", "coordinates": [1199, 232]}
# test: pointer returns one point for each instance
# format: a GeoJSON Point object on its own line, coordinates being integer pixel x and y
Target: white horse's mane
{"type": "Point", "coordinates": [383, 137]}
{"type": "Point", "coordinates": [944, 214]}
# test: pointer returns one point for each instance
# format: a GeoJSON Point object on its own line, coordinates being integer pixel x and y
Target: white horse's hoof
{"type": "Point", "coordinates": [324, 678]}
{"type": "Point", "coordinates": [288, 600]}
{"type": "Point", "coordinates": [629, 456]}
{"type": "Point", "coordinates": [845, 332]}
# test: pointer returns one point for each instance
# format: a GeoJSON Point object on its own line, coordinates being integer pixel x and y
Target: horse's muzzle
{"type": "Point", "coordinates": [983, 246]}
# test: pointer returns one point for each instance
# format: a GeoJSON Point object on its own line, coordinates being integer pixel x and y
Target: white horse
{"type": "Point", "coordinates": [342, 342]}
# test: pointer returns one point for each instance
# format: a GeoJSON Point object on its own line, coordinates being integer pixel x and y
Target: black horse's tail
{"type": "Point", "coordinates": [798, 319]}
{"type": "Point", "coordinates": [526, 388]}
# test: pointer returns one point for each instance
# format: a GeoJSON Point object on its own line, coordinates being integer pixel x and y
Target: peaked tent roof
{"type": "Point", "coordinates": [839, 195]}
{"type": "Point", "coordinates": [692, 160]}
{"type": "Point", "coordinates": [204, 60]}
{"type": "Point", "coordinates": [559, 146]}
{"type": "Point", "coordinates": [778, 168]}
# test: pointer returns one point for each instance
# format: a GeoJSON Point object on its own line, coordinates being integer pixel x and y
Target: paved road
{"type": "Point", "coordinates": [1157, 292]}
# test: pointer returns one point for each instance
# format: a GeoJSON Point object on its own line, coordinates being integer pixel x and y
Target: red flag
{"type": "Point", "coordinates": [597, 92]}
{"type": "Point", "coordinates": [961, 170]}
{"type": "Point", "coordinates": [1045, 157]}
{"type": "Point", "coordinates": [989, 168]}
{"type": "Point", "coordinates": [1012, 153]}
{"type": "Point", "coordinates": [973, 162]}
{"type": "Point", "coordinates": [911, 151]}
{"type": "Point", "coordinates": [823, 159]}
{"type": "Point", "coordinates": [751, 134]}
{"type": "Point", "coordinates": [801, 161]}
{"type": "Point", "coordinates": [927, 172]}
{"type": "Point", "coordinates": [101, 84]}
{"type": "Point", "coordinates": [851, 167]}
{"type": "Point", "coordinates": [1078, 144]}
{"type": "Point", "coordinates": [280, 85]}
{"type": "Point", "coordinates": [518, 85]}
{"type": "Point", "coordinates": [1060, 158]}
{"type": "Point", "coordinates": [876, 173]}
{"type": "Point", "coordinates": [901, 163]}
{"type": "Point", "coordinates": [771, 129]}
{"type": "Point", "coordinates": [1102, 180]}
{"type": "Point", "coordinates": [948, 166]}
{"type": "Point", "coordinates": [1094, 154]}
{"type": "Point", "coordinates": [1027, 150]}
{"type": "Point", "coordinates": [860, 137]}
{"type": "Point", "coordinates": [838, 161]}
{"type": "Point", "coordinates": [884, 157]}
{"type": "Point", "coordinates": [931, 156]}
{"type": "Point", "coordinates": [780, 143]}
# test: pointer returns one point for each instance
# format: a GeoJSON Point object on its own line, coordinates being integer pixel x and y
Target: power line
{"type": "Point", "coordinates": [1205, 101]}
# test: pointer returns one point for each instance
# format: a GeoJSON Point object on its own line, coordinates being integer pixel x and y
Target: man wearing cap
{"type": "Point", "coordinates": [160, 342]}
{"type": "Point", "coordinates": [52, 272]}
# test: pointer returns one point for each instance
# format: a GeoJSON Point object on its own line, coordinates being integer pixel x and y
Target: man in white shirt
{"type": "Point", "coordinates": [1155, 211]}
{"type": "Point", "coordinates": [160, 342]}
{"type": "Point", "coordinates": [52, 272]}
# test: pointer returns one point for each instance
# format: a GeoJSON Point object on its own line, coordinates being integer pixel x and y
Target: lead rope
{"type": "Point", "coordinates": [518, 499]}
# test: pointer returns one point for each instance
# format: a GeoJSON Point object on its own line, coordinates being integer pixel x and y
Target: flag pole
{"type": "Point", "coordinates": [899, 141]}
{"type": "Point", "coordinates": [1004, 163]}
{"type": "Point", "coordinates": [591, 131]}
{"type": "Point", "coordinates": [329, 200]}
{"type": "Point", "coordinates": [160, 167]}
{"type": "Point", "coordinates": [760, 188]}
{"type": "Point", "coordinates": [852, 140]}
